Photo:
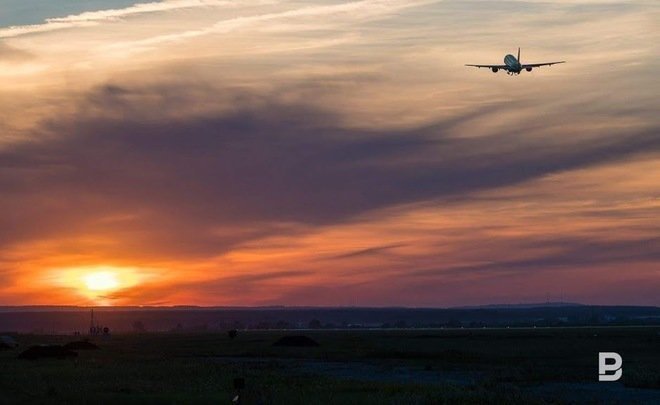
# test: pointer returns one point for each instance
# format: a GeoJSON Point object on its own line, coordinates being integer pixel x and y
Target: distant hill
{"type": "Point", "coordinates": [522, 306]}
{"type": "Point", "coordinates": [193, 319]}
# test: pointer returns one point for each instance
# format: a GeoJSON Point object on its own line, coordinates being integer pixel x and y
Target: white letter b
{"type": "Point", "coordinates": [603, 367]}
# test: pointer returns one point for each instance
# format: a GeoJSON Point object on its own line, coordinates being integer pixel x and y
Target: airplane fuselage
{"type": "Point", "coordinates": [513, 63]}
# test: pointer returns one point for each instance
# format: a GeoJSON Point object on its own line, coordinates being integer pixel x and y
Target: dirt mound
{"type": "Point", "coordinates": [46, 352]}
{"type": "Point", "coordinates": [296, 341]}
{"type": "Point", "coordinates": [81, 345]}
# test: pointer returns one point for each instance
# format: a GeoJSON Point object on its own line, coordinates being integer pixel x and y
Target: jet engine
{"type": "Point", "coordinates": [495, 70]}
{"type": "Point", "coordinates": [529, 69]}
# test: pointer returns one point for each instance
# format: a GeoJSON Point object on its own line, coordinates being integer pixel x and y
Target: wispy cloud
{"type": "Point", "coordinates": [94, 17]}
{"type": "Point", "coordinates": [354, 11]}
{"type": "Point", "coordinates": [9, 53]}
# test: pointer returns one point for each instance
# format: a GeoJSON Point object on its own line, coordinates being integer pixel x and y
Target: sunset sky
{"type": "Point", "coordinates": [227, 152]}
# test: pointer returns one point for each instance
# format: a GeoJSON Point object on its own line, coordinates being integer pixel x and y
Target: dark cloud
{"type": "Point", "coordinates": [569, 253]}
{"type": "Point", "coordinates": [372, 251]}
{"type": "Point", "coordinates": [200, 184]}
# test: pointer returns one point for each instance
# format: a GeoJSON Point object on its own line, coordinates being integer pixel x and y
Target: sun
{"type": "Point", "coordinates": [101, 281]}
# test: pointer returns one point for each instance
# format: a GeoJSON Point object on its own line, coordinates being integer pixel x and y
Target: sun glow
{"type": "Point", "coordinates": [102, 284]}
{"type": "Point", "coordinates": [101, 281]}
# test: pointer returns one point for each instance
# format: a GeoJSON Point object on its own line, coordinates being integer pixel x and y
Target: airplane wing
{"type": "Point", "coordinates": [533, 65]}
{"type": "Point", "coordinates": [490, 66]}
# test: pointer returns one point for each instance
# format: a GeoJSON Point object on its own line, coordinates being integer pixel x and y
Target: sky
{"type": "Point", "coordinates": [328, 153]}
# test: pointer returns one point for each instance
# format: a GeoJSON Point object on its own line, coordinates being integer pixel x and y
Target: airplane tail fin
{"type": "Point", "coordinates": [518, 54]}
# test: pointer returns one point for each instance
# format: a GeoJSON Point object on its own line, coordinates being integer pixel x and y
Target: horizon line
{"type": "Point", "coordinates": [3, 308]}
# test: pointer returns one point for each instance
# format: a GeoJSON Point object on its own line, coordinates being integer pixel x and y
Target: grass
{"type": "Point", "coordinates": [366, 367]}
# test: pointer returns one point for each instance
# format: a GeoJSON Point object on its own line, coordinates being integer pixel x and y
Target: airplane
{"type": "Point", "coordinates": [513, 66]}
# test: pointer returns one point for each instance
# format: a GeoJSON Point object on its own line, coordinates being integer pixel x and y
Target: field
{"type": "Point", "coordinates": [535, 365]}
